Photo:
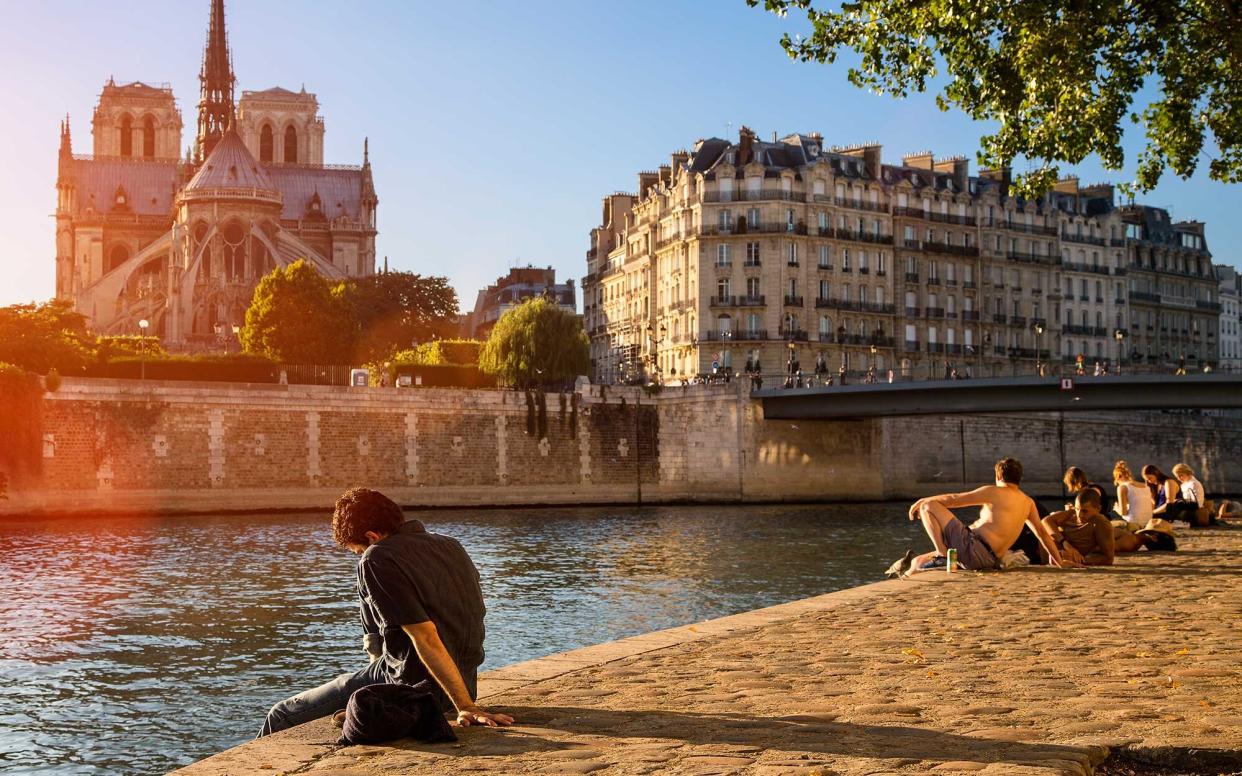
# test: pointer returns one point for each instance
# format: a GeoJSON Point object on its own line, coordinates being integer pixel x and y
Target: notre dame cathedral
{"type": "Point", "coordinates": [144, 233]}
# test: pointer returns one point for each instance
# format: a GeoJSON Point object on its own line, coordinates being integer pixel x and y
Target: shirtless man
{"type": "Point", "coordinates": [1004, 509]}
{"type": "Point", "coordinates": [1084, 535]}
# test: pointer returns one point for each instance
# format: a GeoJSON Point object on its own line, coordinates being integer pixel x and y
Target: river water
{"type": "Point", "coordinates": [139, 645]}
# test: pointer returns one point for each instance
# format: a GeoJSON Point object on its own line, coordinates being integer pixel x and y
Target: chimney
{"type": "Point", "coordinates": [646, 180]}
{"type": "Point", "coordinates": [922, 160]}
{"type": "Point", "coordinates": [745, 145]}
{"type": "Point", "coordinates": [958, 167]}
{"type": "Point", "coordinates": [679, 159]}
{"type": "Point", "coordinates": [1003, 176]}
{"type": "Point", "coordinates": [1067, 185]}
{"type": "Point", "coordinates": [870, 153]}
{"type": "Point", "coordinates": [666, 174]}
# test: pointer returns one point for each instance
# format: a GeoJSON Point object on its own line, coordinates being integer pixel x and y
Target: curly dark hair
{"type": "Point", "coordinates": [359, 510]}
{"type": "Point", "coordinates": [1009, 470]}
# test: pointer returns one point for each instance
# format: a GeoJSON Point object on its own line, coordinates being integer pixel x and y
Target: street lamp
{"type": "Point", "coordinates": [1039, 348]}
{"type": "Point", "coordinates": [1120, 336]}
{"type": "Point", "coordinates": [237, 335]}
{"type": "Point", "coordinates": [142, 345]}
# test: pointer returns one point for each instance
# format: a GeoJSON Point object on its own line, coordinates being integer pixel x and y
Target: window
{"type": "Point", "coordinates": [880, 263]}
{"type": "Point", "coordinates": [791, 254]}
{"type": "Point", "coordinates": [845, 259]}
{"type": "Point", "coordinates": [951, 305]}
{"type": "Point", "coordinates": [752, 254]}
{"type": "Point", "coordinates": [148, 137]}
{"type": "Point", "coordinates": [725, 220]}
{"type": "Point", "coordinates": [824, 289]}
{"type": "Point", "coordinates": [793, 286]}
{"type": "Point", "coordinates": [825, 326]}
{"type": "Point", "coordinates": [862, 261]}
{"type": "Point", "coordinates": [825, 257]}
{"type": "Point", "coordinates": [724, 325]}
{"type": "Point", "coordinates": [752, 218]}
{"type": "Point", "coordinates": [127, 136]}
{"type": "Point", "coordinates": [753, 288]}
{"type": "Point", "coordinates": [950, 272]}
{"type": "Point", "coordinates": [291, 145]}
{"type": "Point", "coordinates": [722, 288]}
{"type": "Point", "coordinates": [752, 322]}
{"type": "Point", "coordinates": [722, 255]}
{"type": "Point", "coordinates": [266, 142]}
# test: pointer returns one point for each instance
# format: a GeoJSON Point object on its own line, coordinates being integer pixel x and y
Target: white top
{"type": "Point", "coordinates": [1192, 490]}
{"type": "Point", "coordinates": [1140, 503]}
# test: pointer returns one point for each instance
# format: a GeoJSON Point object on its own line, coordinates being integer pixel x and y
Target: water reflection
{"type": "Point", "coordinates": [138, 645]}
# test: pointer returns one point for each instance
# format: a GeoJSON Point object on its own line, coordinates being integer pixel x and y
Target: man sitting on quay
{"type": "Point", "coordinates": [1083, 534]}
{"type": "Point", "coordinates": [422, 615]}
{"type": "Point", "coordinates": [1004, 509]}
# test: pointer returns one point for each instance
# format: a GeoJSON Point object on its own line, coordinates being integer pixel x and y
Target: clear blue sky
{"type": "Point", "coordinates": [495, 127]}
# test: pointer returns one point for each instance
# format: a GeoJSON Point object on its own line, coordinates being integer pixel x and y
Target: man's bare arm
{"type": "Point", "coordinates": [976, 497]}
{"type": "Point", "coordinates": [435, 657]}
{"type": "Point", "coordinates": [1045, 539]}
{"type": "Point", "coordinates": [1104, 540]}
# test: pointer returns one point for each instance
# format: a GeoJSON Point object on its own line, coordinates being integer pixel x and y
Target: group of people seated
{"type": "Point", "coordinates": [1145, 516]}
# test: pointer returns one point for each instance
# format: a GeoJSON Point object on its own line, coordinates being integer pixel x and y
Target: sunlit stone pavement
{"type": "Point", "coordinates": [1037, 671]}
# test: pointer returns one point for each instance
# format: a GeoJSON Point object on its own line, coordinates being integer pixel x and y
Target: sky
{"type": "Point", "coordinates": [495, 127]}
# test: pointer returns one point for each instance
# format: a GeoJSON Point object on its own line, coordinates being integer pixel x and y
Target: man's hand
{"type": "Point", "coordinates": [1071, 557]}
{"type": "Point", "coordinates": [915, 507]}
{"type": "Point", "coordinates": [477, 715]}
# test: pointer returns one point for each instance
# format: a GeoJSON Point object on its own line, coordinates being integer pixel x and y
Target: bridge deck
{"type": "Point", "coordinates": [1005, 394]}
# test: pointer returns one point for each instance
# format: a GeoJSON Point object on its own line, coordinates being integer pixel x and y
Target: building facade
{"type": "Point", "coordinates": [1229, 338]}
{"type": "Point", "coordinates": [753, 254]}
{"type": "Point", "coordinates": [181, 241]}
{"type": "Point", "coordinates": [507, 292]}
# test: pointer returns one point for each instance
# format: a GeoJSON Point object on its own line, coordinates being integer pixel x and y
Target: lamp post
{"type": "Point", "coordinates": [237, 335]}
{"type": "Point", "coordinates": [1039, 348]}
{"type": "Point", "coordinates": [1120, 336]}
{"type": "Point", "coordinates": [142, 345]}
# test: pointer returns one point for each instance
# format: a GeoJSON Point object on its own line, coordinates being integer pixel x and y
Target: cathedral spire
{"type": "Point", "coordinates": [215, 104]}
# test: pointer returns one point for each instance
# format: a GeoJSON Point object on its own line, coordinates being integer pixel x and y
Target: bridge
{"type": "Point", "coordinates": [1004, 394]}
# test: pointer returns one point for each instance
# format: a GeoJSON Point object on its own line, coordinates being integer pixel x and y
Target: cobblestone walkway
{"type": "Point", "coordinates": [1036, 671]}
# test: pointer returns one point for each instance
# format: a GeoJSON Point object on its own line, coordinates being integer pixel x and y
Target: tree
{"type": "Point", "coordinates": [43, 336]}
{"type": "Point", "coordinates": [392, 310]}
{"type": "Point", "coordinates": [298, 317]}
{"type": "Point", "coordinates": [1058, 75]}
{"type": "Point", "coordinates": [535, 344]}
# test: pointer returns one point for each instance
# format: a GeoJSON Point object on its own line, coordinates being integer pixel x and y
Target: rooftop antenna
{"type": "Point", "coordinates": [728, 129]}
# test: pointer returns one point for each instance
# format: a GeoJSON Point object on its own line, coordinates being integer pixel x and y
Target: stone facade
{"type": "Point", "coordinates": [142, 234]}
{"type": "Point", "coordinates": [737, 254]}
{"type": "Point", "coordinates": [133, 446]}
{"type": "Point", "coordinates": [1230, 306]}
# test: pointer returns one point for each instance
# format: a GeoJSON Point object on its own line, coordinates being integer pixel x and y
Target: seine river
{"type": "Point", "coordinates": [135, 646]}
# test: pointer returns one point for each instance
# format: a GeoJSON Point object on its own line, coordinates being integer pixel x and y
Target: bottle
{"type": "Point", "coordinates": [951, 560]}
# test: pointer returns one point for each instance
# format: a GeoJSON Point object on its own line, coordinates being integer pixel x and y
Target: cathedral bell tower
{"type": "Point", "coordinates": [215, 102]}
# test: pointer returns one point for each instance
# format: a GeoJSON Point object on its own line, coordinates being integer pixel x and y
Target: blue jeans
{"type": "Point", "coordinates": [325, 699]}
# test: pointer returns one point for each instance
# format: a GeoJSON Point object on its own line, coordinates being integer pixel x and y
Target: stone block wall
{"type": "Point", "coordinates": [130, 446]}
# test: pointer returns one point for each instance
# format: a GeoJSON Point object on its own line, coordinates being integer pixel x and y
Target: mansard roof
{"type": "Point", "coordinates": [230, 166]}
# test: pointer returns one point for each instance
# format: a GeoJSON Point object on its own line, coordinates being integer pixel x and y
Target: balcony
{"type": "Point", "coordinates": [754, 196]}
{"type": "Point", "coordinates": [934, 312]}
{"type": "Point", "coordinates": [970, 315]}
{"type": "Point", "coordinates": [860, 204]}
{"type": "Point", "coordinates": [1144, 296]}
{"type": "Point", "coordinates": [912, 346]}
{"type": "Point", "coordinates": [793, 335]}
{"type": "Point", "coordinates": [1073, 266]}
{"type": "Point", "coordinates": [1082, 238]}
{"type": "Point", "coordinates": [998, 318]}
{"type": "Point", "coordinates": [970, 284]}
{"type": "Point", "coordinates": [751, 263]}
{"type": "Point", "coordinates": [1027, 257]}
{"type": "Point", "coordinates": [1204, 304]}
{"type": "Point", "coordinates": [863, 271]}
{"type": "Point", "coordinates": [854, 306]}
{"type": "Point", "coordinates": [912, 277]}
{"type": "Point", "coordinates": [823, 266]}
{"type": "Point", "coordinates": [1119, 300]}
{"type": "Point", "coordinates": [956, 250]}
{"type": "Point", "coordinates": [1017, 320]}
{"type": "Point", "coordinates": [933, 281]}
{"type": "Point", "coordinates": [1050, 231]}
{"type": "Point", "coordinates": [1040, 292]}
{"type": "Point", "coordinates": [751, 300]}
{"type": "Point", "coordinates": [747, 335]}
{"type": "Point", "coordinates": [793, 301]}
{"type": "Point", "coordinates": [737, 301]}
{"type": "Point", "coordinates": [880, 273]}
{"type": "Point", "coordinates": [791, 262]}
{"type": "Point", "coordinates": [914, 312]}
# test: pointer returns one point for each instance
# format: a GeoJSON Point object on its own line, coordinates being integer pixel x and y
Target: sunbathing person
{"type": "Point", "coordinates": [1083, 534]}
{"type": "Point", "coordinates": [1134, 501]}
{"type": "Point", "coordinates": [1076, 479]}
{"type": "Point", "coordinates": [1004, 509]}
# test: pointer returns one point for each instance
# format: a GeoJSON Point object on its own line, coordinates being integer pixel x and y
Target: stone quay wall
{"type": "Point", "coordinates": [117, 446]}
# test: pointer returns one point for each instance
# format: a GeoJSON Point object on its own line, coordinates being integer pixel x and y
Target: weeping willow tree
{"type": "Point", "coordinates": [535, 345]}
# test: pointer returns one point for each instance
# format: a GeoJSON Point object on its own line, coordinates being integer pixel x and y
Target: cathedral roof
{"type": "Point", "coordinates": [230, 166]}
{"type": "Point", "coordinates": [339, 189]}
{"type": "Point", "coordinates": [149, 184]}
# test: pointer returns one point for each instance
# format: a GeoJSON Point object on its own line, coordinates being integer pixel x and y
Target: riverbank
{"type": "Point", "coordinates": [133, 447]}
{"type": "Point", "coordinates": [1035, 671]}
